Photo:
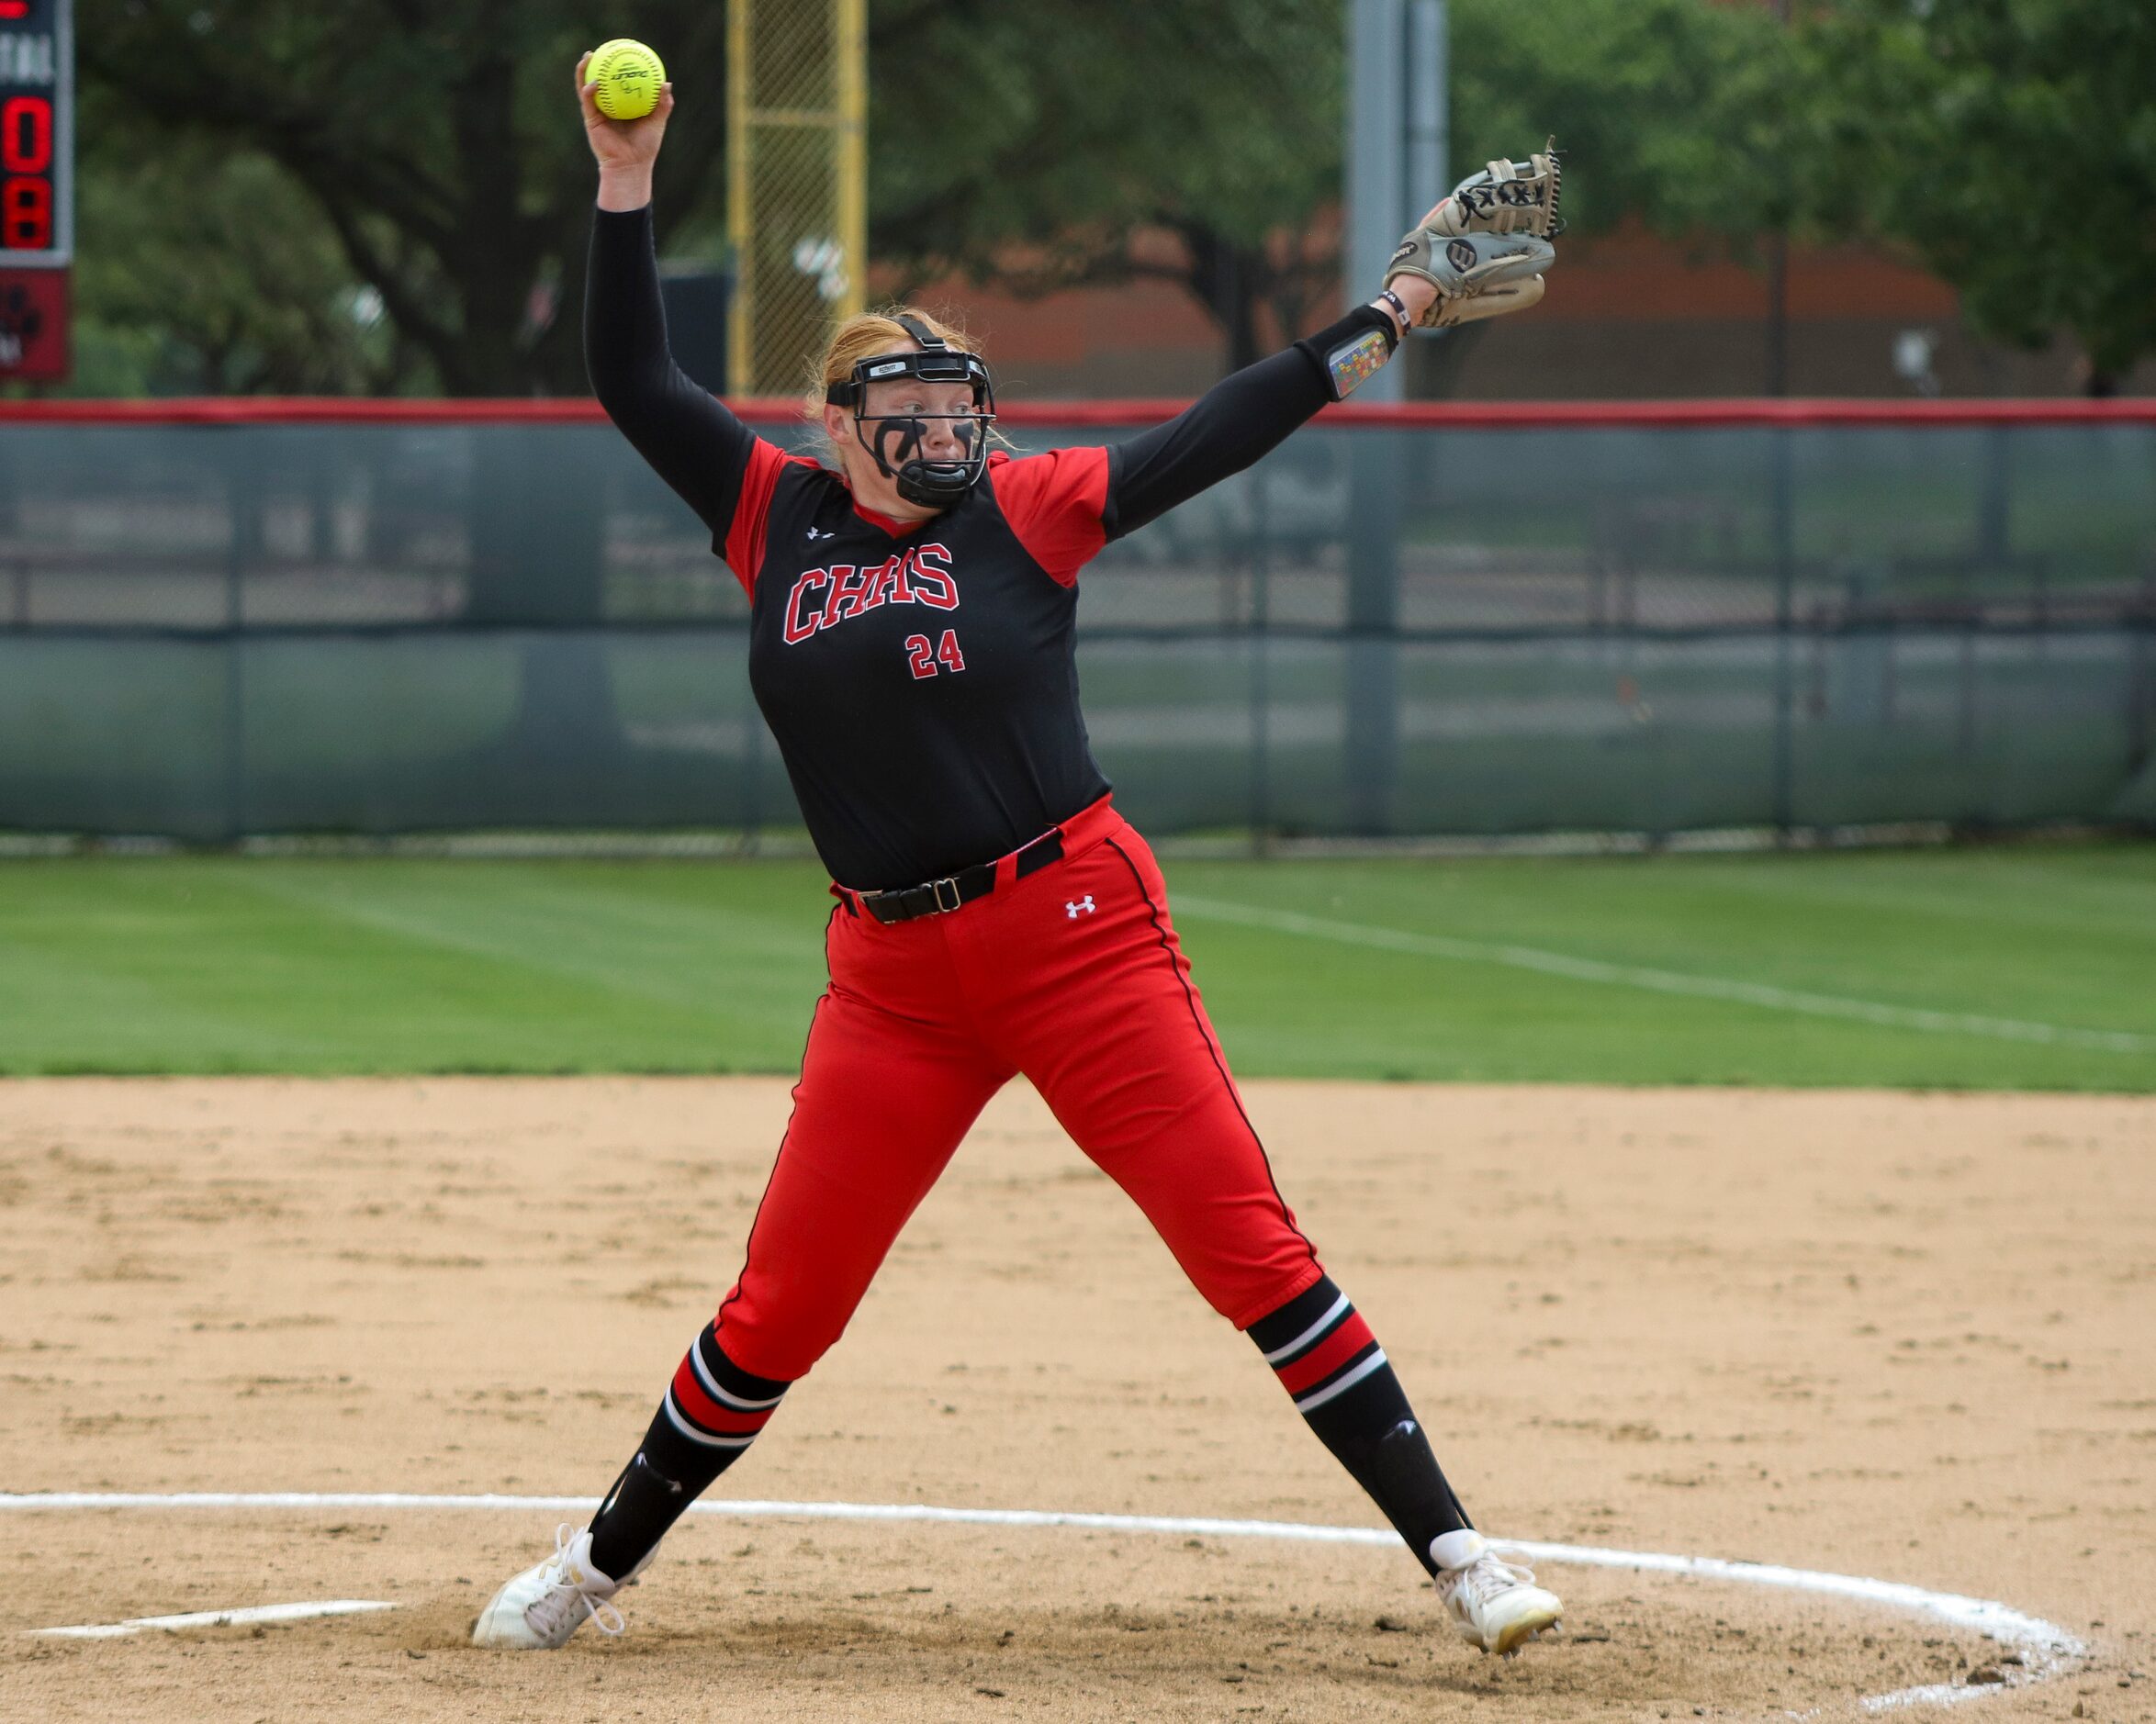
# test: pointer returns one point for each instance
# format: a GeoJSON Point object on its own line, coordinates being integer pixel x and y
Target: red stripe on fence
{"type": "Point", "coordinates": [268, 409]}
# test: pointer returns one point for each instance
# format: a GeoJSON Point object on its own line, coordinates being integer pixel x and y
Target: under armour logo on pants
{"type": "Point", "coordinates": [1085, 903]}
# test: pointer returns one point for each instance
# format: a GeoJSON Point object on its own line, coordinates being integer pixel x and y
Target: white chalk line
{"type": "Point", "coordinates": [2047, 1650]}
{"type": "Point", "coordinates": [217, 1618]}
{"type": "Point", "coordinates": [1653, 980]}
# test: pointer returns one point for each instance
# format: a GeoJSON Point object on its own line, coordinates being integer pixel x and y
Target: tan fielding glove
{"type": "Point", "coordinates": [1476, 276]}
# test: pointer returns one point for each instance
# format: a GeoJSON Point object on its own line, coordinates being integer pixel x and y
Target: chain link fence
{"type": "Point", "coordinates": [1392, 626]}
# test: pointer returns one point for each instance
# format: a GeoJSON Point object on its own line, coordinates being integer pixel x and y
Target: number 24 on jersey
{"type": "Point", "coordinates": [925, 661]}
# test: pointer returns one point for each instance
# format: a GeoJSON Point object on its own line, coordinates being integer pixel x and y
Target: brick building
{"type": "Point", "coordinates": [1628, 316]}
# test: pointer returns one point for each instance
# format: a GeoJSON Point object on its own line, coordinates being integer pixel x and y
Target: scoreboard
{"type": "Point", "coordinates": [37, 184]}
{"type": "Point", "coordinates": [37, 133]}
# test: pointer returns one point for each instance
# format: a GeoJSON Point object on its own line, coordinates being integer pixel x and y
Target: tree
{"type": "Point", "coordinates": [1084, 122]}
{"type": "Point", "coordinates": [1673, 111]}
{"type": "Point", "coordinates": [1026, 145]}
{"type": "Point", "coordinates": [228, 267]}
{"type": "Point", "coordinates": [432, 143]}
{"type": "Point", "coordinates": [437, 140]}
{"type": "Point", "coordinates": [2012, 145]}
{"type": "Point", "coordinates": [1021, 145]}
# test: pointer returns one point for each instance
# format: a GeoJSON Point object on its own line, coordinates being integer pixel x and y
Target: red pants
{"type": "Point", "coordinates": [1074, 976]}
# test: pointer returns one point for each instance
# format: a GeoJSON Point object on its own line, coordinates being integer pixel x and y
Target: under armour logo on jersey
{"type": "Point", "coordinates": [816, 533]}
{"type": "Point", "coordinates": [1085, 903]}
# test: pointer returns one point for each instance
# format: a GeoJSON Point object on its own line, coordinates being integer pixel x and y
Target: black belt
{"type": "Point", "coordinates": [933, 897]}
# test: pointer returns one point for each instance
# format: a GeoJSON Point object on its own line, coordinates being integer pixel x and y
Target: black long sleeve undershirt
{"type": "Point", "coordinates": [686, 433]}
{"type": "Point", "coordinates": [701, 450]}
{"type": "Point", "coordinates": [1240, 419]}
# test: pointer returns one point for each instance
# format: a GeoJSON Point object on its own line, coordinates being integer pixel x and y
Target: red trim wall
{"type": "Point", "coordinates": [261, 409]}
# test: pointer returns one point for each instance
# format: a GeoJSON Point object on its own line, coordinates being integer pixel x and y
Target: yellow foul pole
{"type": "Point", "coordinates": [853, 150]}
{"type": "Point", "coordinates": [797, 201]}
{"type": "Point", "coordinates": [740, 221]}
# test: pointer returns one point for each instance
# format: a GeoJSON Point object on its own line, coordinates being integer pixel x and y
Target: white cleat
{"type": "Point", "coordinates": [1494, 1603]}
{"type": "Point", "coordinates": [546, 1604]}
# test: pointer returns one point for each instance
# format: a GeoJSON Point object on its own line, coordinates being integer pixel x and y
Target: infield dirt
{"type": "Point", "coordinates": [1907, 1336]}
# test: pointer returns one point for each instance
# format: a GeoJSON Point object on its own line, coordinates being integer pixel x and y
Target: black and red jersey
{"type": "Point", "coordinates": [919, 677]}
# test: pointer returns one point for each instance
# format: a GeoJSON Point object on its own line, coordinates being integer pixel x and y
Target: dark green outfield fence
{"type": "Point", "coordinates": [224, 619]}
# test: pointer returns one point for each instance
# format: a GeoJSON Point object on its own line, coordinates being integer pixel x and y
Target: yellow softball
{"type": "Point", "coordinates": [628, 76]}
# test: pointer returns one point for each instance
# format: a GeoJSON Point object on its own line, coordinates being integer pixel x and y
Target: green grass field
{"type": "Point", "coordinates": [2022, 966]}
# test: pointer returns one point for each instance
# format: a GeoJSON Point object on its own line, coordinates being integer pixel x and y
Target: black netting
{"type": "Point", "coordinates": [214, 630]}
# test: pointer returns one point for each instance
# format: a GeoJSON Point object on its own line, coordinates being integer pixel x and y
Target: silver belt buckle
{"type": "Point", "coordinates": [936, 887]}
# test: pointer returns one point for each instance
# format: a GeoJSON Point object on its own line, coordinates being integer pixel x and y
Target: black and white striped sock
{"type": "Point", "coordinates": [711, 1413]}
{"type": "Point", "coordinates": [1331, 1365]}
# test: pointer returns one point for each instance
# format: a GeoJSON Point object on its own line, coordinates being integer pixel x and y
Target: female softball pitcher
{"type": "Point", "coordinates": [910, 646]}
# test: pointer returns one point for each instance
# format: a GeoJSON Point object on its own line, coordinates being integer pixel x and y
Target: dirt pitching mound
{"type": "Point", "coordinates": [1903, 1336]}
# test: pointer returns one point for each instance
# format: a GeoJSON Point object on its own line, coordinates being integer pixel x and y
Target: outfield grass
{"type": "Point", "coordinates": [1852, 968]}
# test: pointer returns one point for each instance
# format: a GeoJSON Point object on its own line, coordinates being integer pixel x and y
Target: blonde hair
{"type": "Point", "coordinates": [863, 336]}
